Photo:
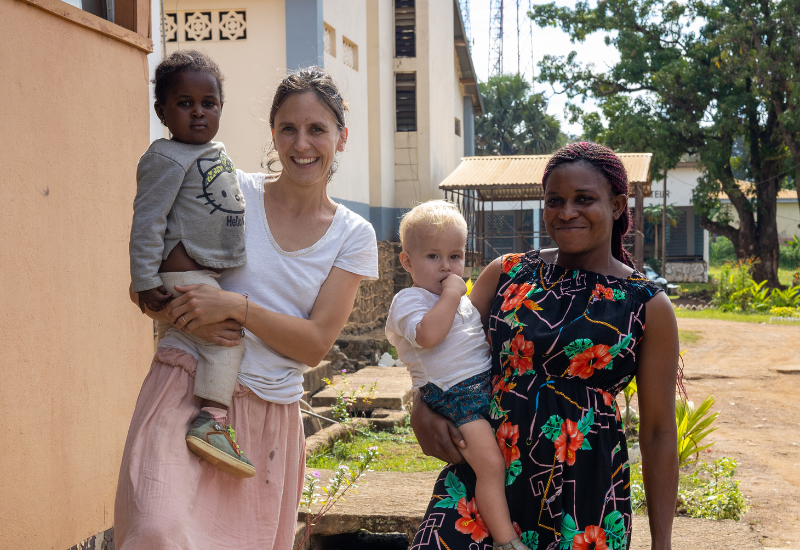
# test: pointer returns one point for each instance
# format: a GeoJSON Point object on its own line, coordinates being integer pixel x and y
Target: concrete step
{"type": "Point", "coordinates": [312, 378]}
{"type": "Point", "coordinates": [386, 502]}
{"type": "Point", "coordinates": [393, 391]}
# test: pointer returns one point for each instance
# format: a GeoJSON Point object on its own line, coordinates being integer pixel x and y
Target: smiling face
{"type": "Point", "coordinates": [433, 256]}
{"type": "Point", "coordinates": [306, 138]}
{"type": "Point", "coordinates": [192, 108]}
{"type": "Point", "coordinates": [580, 209]}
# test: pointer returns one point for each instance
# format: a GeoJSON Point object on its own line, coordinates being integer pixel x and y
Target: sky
{"type": "Point", "coordinates": [534, 43]}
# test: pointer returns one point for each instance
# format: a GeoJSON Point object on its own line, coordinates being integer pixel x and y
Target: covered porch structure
{"type": "Point", "coordinates": [492, 192]}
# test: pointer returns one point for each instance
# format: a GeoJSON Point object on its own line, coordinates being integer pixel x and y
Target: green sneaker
{"type": "Point", "coordinates": [217, 444]}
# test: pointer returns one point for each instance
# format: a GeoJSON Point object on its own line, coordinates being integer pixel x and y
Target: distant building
{"type": "Point", "coordinates": [787, 213]}
{"type": "Point", "coordinates": [404, 67]}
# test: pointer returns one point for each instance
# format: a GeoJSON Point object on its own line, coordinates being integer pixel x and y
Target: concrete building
{"type": "Point", "coordinates": [75, 350]}
{"type": "Point", "coordinates": [787, 213]}
{"type": "Point", "coordinates": [403, 66]}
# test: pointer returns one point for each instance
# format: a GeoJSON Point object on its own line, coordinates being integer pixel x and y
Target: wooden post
{"type": "Point", "coordinates": [638, 226]}
{"type": "Point", "coordinates": [664, 231]}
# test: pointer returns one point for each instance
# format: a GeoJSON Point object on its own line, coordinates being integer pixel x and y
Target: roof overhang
{"type": "Point", "coordinates": [468, 77]}
{"type": "Point", "coordinates": [519, 177]}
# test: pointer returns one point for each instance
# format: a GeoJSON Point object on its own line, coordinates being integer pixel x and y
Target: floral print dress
{"type": "Point", "coordinates": [564, 343]}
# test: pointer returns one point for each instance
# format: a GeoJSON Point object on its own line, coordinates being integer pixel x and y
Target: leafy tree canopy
{"type": "Point", "coordinates": [514, 120]}
{"type": "Point", "coordinates": [696, 78]}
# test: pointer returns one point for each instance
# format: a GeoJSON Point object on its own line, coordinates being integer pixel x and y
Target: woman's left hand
{"type": "Point", "coordinates": [203, 305]}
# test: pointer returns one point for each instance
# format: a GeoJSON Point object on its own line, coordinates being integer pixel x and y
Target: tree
{"type": "Point", "coordinates": [686, 83]}
{"type": "Point", "coordinates": [514, 120]}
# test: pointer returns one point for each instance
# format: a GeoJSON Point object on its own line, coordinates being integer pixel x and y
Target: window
{"type": "Point", "coordinates": [406, 101]}
{"type": "Point", "coordinates": [458, 127]}
{"type": "Point", "coordinates": [349, 54]}
{"type": "Point", "coordinates": [100, 8]}
{"type": "Point", "coordinates": [405, 20]}
{"type": "Point", "coordinates": [329, 39]}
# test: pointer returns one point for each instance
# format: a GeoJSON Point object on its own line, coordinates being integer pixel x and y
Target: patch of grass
{"type": "Point", "coordinates": [688, 336]}
{"type": "Point", "coordinates": [398, 452]}
{"type": "Point", "coordinates": [682, 313]}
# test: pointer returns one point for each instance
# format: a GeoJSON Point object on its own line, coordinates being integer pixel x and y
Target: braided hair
{"type": "Point", "coordinates": [606, 163]}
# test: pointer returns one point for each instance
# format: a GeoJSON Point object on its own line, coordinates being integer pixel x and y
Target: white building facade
{"type": "Point", "coordinates": [403, 66]}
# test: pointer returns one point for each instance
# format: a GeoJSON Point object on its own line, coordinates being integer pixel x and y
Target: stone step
{"type": "Point", "coordinates": [393, 390]}
{"type": "Point", "coordinates": [386, 502]}
{"type": "Point", "coordinates": [312, 378]}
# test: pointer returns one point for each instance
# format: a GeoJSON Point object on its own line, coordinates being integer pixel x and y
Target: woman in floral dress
{"type": "Point", "coordinates": [567, 331]}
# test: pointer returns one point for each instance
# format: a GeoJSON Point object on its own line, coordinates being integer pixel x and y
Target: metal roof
{"type": "Point", "coordinates": [784, 195]}
{"type": "Point", "coordinates": [519, 177]}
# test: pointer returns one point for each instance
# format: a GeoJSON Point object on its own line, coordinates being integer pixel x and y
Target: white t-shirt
{"type": "Point", "coordinates": [288, 283]}
{"type": "Point", "coordinates": [463, 353]}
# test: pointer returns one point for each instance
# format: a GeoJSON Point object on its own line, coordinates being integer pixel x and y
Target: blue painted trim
{"type": "Point", "coordinates": [384, 220]}
{"type": "Point", "coordinates": [469, 128]}
{"type": "Point", "coordinates": [304, 34]}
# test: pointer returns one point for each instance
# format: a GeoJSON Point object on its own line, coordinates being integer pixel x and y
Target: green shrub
{"type": "Point", "coordinates": [710, 491]}
{"type": "Point", "coordinates": [734, 278]}
{"type": "Point", "coordinates": [790, 254]}
{"type": "Point", "coordinates": [721, 251]}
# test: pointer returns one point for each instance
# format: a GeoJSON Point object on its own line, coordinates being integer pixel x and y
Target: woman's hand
{"type": "Point", "coordinates": [204, 305]}
{"type": "Point", "coordinates": [227, 333]}
{"type": "Point", "coordinates": [437, 435]}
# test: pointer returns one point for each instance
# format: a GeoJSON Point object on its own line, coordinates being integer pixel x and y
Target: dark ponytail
{"type": "Point", "coordinates": [610, 166]}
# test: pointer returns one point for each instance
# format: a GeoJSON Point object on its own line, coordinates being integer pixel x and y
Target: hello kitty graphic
{"type": "Point", "coordinates": [220, 186]}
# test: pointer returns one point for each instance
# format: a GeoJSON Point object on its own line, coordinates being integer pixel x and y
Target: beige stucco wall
{"type": "Point", "coordinates": [253, 68]}
{"type": "Point", "coordinates": [788, 220]}
{"type": "Point", "coordinates": [426, 157]}
{"type": "Point", "coordinates": [75, 350]}
{"type": "Point", "coordinates": [351, 181]}
{"type": "Point", "coordinates": [380, 54]}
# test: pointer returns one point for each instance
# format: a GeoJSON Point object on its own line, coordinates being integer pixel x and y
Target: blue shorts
{"type": "Point", "coordinates": [466, 401]}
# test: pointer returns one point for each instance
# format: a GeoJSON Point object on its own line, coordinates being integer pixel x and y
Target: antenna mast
{"type": "Point", "coordinates": [467, 21]}
{"type": "Point", "coordinates": [495, 37]}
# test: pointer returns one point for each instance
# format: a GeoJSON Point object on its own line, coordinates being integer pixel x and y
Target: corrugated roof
{"type": "Point", "coordinates": [784, 195]}
{"type": "Point", "coordinates": [519, 177]}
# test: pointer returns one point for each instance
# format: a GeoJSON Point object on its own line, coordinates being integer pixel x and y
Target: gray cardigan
{"type": "Point", "coordinates": [190, 194]}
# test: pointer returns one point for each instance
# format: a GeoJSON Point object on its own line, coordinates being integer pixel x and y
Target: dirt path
{"type": "Point", "coordinates": [759, 421]}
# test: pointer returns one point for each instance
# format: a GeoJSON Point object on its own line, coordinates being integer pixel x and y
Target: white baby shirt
{"type": "Point", "coordinates": [463, 353]}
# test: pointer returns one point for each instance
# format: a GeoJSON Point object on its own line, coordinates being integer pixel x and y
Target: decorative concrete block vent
{"type": "Point", "coordinates": [687, 272]}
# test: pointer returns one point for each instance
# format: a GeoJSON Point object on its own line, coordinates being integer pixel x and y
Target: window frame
{"type": "Point", "coordinates": [131, 26]}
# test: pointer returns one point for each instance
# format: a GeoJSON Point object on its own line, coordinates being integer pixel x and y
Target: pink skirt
{"type": "Point", "coordinates": [169, 499]}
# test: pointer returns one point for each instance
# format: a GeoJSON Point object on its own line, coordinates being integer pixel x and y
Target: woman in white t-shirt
{"type": "Point", "coordinates": [305, 258]}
